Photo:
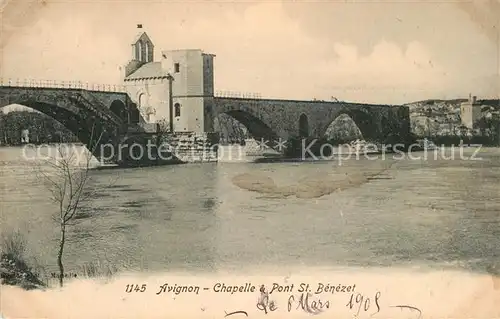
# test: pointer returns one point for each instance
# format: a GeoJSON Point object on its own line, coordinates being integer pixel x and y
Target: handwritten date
{"type": "Point", "coordinates": [363, 303]}
{"type": "Point", "coordinates": [264, 303]}
{"type": "Point", "coordinates": [308, 305]}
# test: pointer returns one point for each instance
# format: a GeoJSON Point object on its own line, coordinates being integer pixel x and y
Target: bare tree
{"type": "Point", "coordinates": [67, 183]}
{"type": "Point", "coordinates": [163, 130]}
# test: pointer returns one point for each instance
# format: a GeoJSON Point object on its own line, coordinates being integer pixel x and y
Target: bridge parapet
{"type": "Point", "coordinates": [34, 83]}
{"type": "Point", "coordinates": [235, 94]}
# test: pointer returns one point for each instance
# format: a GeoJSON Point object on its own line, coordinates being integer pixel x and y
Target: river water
{"type": "Point", "coordinates": [418, 213]}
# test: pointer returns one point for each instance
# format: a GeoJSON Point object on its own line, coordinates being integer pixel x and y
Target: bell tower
{"type": "Point", "coordinates": [142, 52]}
{"type": "Point", "coordinates": [470, 112]}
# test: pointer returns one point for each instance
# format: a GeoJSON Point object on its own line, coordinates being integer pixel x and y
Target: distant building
{"type": "Point", "coordinates": [25, 136]}
{"type": "Point", "coordinates": [470, 112]}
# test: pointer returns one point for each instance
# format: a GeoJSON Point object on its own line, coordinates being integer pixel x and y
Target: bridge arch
{"type": "Point", "coordinates": [255, 126]}
{"type": "Point", "coordinates": [363, 119]}
{"type": "Point", "coordinates": [303, 125]}
{"type": "Point", "coordinates": [74, 111]}
{"type": "Point", "coordinates": [75, 123]}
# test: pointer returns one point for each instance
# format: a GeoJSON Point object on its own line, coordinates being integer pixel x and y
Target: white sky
{"type": "Point", "coordinates": [377, 52]}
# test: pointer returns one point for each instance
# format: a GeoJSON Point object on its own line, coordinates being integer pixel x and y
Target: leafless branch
{"type": "Point", "coordinates": [66, 182]}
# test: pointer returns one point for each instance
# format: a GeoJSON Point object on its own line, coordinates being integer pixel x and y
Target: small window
{"type": "Point", "coordinates": [176, 67]}
{"type": "Point", "coordinates": [177, 109]}
{"type": "Point", "coordinates": [142, 100]}
{"type": "Point", "coordinates": [139, 51]}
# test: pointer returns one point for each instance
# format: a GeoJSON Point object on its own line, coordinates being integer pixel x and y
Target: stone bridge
{"type": "Point", "coordinates": [93, 111]}
{"type": "Point", "coordinates": [282, 119]}
{"type": "Point", "coordinates": [89, 112]}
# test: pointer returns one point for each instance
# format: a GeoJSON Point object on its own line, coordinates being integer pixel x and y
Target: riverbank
{"type": "Point", "coordinates": [15, 272]}
{"type": "Point", "coordinates": [41, 144]}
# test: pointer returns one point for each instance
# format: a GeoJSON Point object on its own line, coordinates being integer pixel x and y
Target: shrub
{"type": "Point", "coordinates": [13, 268]}
{"type": "Point", "coordinates": [13, 244]}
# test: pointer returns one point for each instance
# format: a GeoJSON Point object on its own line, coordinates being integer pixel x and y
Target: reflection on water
{"type": "Point", "coordinates": [435, 213]}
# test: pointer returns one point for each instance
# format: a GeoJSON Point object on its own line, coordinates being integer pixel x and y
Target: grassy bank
{"type": "Point", "coordinates": [15, 270]}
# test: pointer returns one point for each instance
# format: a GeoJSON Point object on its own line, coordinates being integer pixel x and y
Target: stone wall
{"type": "Point", "coordinates": [154, 98]}
{"type": "Point", "coordinates": [193, 147]}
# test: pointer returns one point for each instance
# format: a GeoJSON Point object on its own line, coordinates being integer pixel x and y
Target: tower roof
{"type": "Point", "coordinates": [142, 35]}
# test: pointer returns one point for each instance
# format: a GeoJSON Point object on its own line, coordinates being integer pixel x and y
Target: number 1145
{"type": "Point", "coordinates": [135, 288]}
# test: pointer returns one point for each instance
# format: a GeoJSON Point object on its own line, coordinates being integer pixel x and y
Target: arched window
{"type": "Point", "coordinates": [142, 101]}
{"type": "Point", "coordinates": [139, 50]}
{"type": "Point", "coordinates": [177, 109]}
{"type": "Point", "coordinates": [147, 52]}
